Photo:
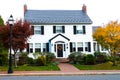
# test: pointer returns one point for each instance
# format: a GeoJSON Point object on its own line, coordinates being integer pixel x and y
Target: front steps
{"type": "Point", "coordinates": [62, 60]}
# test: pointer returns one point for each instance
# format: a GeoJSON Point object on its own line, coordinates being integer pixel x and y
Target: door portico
{"type": "Point", "coordinates": [60, 46]}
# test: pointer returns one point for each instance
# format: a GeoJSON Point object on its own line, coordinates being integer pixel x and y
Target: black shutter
{"type": "Point", "coordinates": [63, 29]}
{"type": "Point", "coordinates": [74, 29]}
{"type": "Point", "coordinates": [54, 29]}
{"type": "Point", "coordinates": [28, 47]}
{"type": "Point", "coordinates": [84, 31]}
{"type": "Point", "coordinates": [70, 46]}
{"type": "Point", "coordinates": [89, 47]}
{"type": "Point", "coordinates": [42, 30]}
{"type": "Point", "coordinates": [47, 47]}
{"type": "Point", "coordinates": [32, 29]}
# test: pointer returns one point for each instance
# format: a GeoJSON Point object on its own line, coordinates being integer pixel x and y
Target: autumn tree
{"type": "Point", "coordinates": [20, 33]}
{"type": "Point", "coordinates": [1, 24]}
{"type": "Point", "coordinates": [109, 38]}
{"type": "Point", "coordinates": [1, 21]}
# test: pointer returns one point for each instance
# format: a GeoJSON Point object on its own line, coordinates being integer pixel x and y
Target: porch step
{"type": "Point", "coordinates": [62, 60]}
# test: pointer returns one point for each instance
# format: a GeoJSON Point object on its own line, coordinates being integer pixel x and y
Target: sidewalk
{"type": "Point", "coordinates": [66, 69]}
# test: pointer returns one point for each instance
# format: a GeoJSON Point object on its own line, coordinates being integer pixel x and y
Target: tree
{"type": "Point", "coordinates": [1, 21]}
{"type": "Point", "coordinates": [1, 24]}
{"type": "Point", "coordinates": [109, 38]}
{"type": "Point", "coordinates": [20, 33]}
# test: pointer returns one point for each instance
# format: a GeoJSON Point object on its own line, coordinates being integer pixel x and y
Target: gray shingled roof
{"type": "Point", "coordinates": [56, 16]}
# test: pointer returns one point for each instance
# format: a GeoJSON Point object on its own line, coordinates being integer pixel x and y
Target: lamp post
{"type": "Point", "coordinates": [10, 44]}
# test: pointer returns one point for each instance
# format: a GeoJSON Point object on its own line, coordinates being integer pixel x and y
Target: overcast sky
{"type": "Point", "coordinates": [100, 11]}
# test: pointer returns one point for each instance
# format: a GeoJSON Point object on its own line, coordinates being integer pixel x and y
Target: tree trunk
{"type": "Point", "coordinates": [114, 59]}
{"type": "Point", "coordinates": [15, 62]}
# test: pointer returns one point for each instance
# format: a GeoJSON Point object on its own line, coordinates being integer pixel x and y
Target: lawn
{"type": "Point", "coordinates": [103, 66]}
{"type": "Point", "coordinates": [32, 68]}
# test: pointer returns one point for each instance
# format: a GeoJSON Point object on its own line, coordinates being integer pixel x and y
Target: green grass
{"type": "Point", "coordinates": [32, 68]}
{"type": "Point", "coordinates": [103, 66]}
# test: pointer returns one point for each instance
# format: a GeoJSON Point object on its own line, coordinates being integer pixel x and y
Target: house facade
{"type": "Point", "coordinates": [59, 31]}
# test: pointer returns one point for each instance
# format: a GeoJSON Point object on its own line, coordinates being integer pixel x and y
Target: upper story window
{"type": "Point", "coordinates": [58, 29]}
{"type": "Point", "coordinates": [79, 29]}
{"type": "Point", "coordinates": [38, 29]}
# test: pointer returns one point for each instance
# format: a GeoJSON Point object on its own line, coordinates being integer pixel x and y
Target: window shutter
{"type": "Point", "coordinates": [84, 31]}
{"type": "Point", "coordinates": [32, 28]}
{"type": "Point", "coordinates": [47, 47]}
{"type": "Point", "coordinates": [70, 46]}
{"type": "Point", "coordinates": [63, 29]}
{"type": "Point", "coordinates": [89, 47]}
{"type": "Point", "coordinates": [42, 30]}
{"type": "Point", "coordinates": [28, 47]}
{"type": "Point", "coordinates": [54, 29]}
{"type": "Point", "coordinates": [74, 29]}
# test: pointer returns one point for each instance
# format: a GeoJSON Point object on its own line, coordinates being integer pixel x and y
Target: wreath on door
{"type": "Point", "coordinates": [60, 48]}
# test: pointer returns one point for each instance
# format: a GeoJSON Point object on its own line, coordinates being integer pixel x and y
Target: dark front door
{"type": "Point", "coordinates": [59, 50]}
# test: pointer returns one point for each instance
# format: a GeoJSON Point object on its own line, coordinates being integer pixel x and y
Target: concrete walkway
{"type": "Point", "coordinates": [66, 69]}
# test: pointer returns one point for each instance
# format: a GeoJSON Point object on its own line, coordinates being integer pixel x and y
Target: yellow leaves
{"type": "Point", "coordinates": [110, 34]}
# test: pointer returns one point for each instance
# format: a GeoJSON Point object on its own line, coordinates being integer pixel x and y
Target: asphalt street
{"type": "Point", "coordinates": [80, 77]}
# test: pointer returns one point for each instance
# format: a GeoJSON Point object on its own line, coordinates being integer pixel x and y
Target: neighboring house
{"type": "Point", "coordinates": [60, 31]}
{"type": "Point", "coordinates": [96, 46]}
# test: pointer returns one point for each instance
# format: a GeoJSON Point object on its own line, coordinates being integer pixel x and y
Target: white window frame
{"type": "Point", "coordinates": [59, 29]}
{"type": "Point", "coordinates": [79, 29]}
{"type": "Point", "coordinates": [37, 30]}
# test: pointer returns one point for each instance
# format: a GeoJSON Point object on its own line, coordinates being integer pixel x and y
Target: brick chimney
{"type": "Point", "coordinates": [84, 8]}
{"type": "Point", "coordinates": [25, 8]}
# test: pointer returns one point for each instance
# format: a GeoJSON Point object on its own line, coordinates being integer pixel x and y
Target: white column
{"type": "Point", "coordinates": [33, 47]}
{"type": "Point", "coordinates": [76, 47]}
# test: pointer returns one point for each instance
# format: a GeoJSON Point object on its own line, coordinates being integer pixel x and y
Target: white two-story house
{"type": "Point", "coordinates": [59, 31]}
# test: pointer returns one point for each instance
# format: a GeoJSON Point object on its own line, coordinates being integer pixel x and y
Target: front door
{"type": "Point", "coordinates": [59, 50]}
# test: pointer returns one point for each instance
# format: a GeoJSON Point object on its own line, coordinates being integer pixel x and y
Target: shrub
{"type": "Point", "coordinates": [3, 59]}
{"type": "Point", "coordinates": [41, 60]}
{"type": "Point", "coordinates": [30, 61]}
{"type": "Point", "coordinates": [76, 58]}
{"type": "Point", "coordinates": [50, 57]}
{"type": "Point", "coordinates": [23, 59]}
{"type": "Point", "coordinates": [101, 57]}
{"type": "Point", "coordinates": [90, 59]}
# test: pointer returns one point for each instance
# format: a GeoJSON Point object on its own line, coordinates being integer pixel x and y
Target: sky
{"type": "Point", "coordinates": [101, 12]}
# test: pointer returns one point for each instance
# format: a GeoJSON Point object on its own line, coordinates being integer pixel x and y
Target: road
{"type": "Point", "coordinates": [81, 77]}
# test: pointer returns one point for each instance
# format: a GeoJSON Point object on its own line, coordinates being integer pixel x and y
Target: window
{"type": "Point", "coordinates": [58, 29]}
{"type": "Point", "coordinates": [103, 49]}
{"type": "Point", "coordinates": [74, 46]}
{"type": "Point", "coordinates": [44, 47]}
{"type": "Point", "coordinates": [31, 47]}
{"type": "Point", "coordinates": [39, 30]}
{"type": "Point", "coordinates": [37, 47]}
{"type": "Point", "coordinates": [80, 46]}
{"type": "Point", "coordinates": [86, 46]}
{"type": "Point", "coordinates": [79, 29]}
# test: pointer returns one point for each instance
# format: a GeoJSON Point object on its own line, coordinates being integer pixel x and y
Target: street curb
{"type": "Point", "coordinates": [60, 73]}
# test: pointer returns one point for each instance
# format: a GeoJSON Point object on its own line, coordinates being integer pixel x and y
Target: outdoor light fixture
{"type": "Point", "coordinates": [10, 44]}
